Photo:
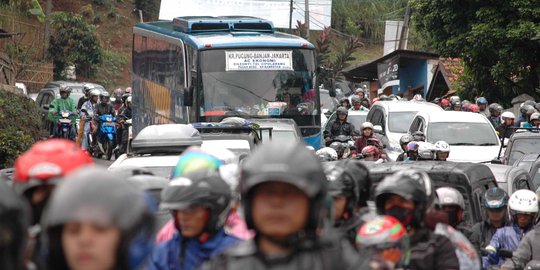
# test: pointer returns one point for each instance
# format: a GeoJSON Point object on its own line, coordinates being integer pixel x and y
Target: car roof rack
{"type": "Point", "coordinates": [165, 139]}
{"type": "Point", "coordinates": [201, 24]}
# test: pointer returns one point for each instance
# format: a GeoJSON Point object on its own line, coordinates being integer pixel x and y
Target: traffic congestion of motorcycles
{"type": "Point", "coordinates": [448, 184]}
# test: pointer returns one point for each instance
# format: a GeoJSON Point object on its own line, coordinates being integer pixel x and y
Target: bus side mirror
{"type": "Point", "coordinates": [188, 96]}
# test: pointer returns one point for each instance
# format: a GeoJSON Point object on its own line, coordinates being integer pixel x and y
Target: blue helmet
{"type": "Point", "coordinates": [495, 198]}
{"type": "Point", "coordinates": [481, 100]}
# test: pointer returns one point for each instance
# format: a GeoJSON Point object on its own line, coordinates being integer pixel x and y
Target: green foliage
{"type": "Point", "coordinates": [495, 39]}
{"type": "Point", "coordinates": [20, 126]}
{"type": "Point", "coordinates": [37, 11]}
{"type": "Point", "coordinates": [97, 19]}
{"type": "Point", "coordinates": [150, 8]}
{"type": "Point", "coordinates": [111, 68]}
{"type": "Point", "coordinates": [74, 42]}
{"type": "Point", "coordinates": [87, 11]}
{"type": "Point", "coordinates": [112, 12]}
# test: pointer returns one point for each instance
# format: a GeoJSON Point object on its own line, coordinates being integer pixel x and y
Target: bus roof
{"type": "Point", "coordinates": [226, 39]}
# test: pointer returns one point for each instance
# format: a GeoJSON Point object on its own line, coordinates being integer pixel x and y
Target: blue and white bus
{"type": "Point", "coordinates": [203, 69]}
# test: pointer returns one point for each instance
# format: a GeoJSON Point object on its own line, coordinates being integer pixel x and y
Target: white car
{"type": "Point", "coordinates": [395, 117]}
{"type": "Point", "coordinates": [471, 136]}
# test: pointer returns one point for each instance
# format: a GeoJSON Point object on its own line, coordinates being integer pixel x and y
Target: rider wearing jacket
{"type": "Point", "coordinates": [64, 103]}
{"type": "Point", "coordinates": [90, 108]}
{"type": "Point", "coordinates": [283, 189]}
{"type": "Point", "coordinates": [495, 203]}
{"type": "Point", "coordinates": [528, 250]}
{"type": "Point", "coordinates": [368, 138]}
{"type": "Point", "coordinates": [523, 207]}
{"type": "Point", "coordinates": [404, 195]}
{"type": "Point", "coordinates": [200, 203]}
{"type": "Point", "coordinates": [340, 126]}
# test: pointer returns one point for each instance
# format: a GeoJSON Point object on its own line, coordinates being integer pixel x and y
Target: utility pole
{"type": "Point", "coordinates": [306, 17]}
{"type": "Point", "coordinates": [48, 10]}
{"type": "Point", "coordinates": [290, 15]}
{"type": "Point", "coordinates": [405, 29]}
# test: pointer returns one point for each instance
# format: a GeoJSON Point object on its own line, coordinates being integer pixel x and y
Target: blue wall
{"type": "Point", "coordinates": [413, 73]}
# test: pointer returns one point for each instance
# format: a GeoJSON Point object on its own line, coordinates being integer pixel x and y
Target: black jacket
{"type": "Point", "coordinates": [432, 251]}
{"type": "Point", "coordinates": [505, 131]}
{"type": "Point", "coordinates": [332, 254]}
{"type": "Point", "coordinates": [104, 109]}
{"type": "Point", "coordinates": [481, 234]}
{"type": "Point", "coordinates": [338, 128]}
{"type": "Point", "coordinates": [126, 111]}
{"type": "Point", "coordinates": [82, 100]}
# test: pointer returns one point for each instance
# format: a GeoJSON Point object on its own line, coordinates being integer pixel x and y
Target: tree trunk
{"type": "Point", "coordinates": [48, 10]}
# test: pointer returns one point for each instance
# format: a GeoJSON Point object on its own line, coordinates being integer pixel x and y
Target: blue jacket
{"type": "Point", "coordinates": [507, 238]}
{"type": "Point", "coordinates": [167, 254]}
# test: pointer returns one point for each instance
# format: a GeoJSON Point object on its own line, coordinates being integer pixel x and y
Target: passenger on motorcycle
{"type": "Point", "coordinates": [495, 202]}
{"type": "Point", "coordinates": [14, 223]}
{"type": "Point", "coordinates": [495, 111]}
{"type": "Point", "coordinates": [523, 208]}
{"type": "Point", "coordinates": [367, 134]}
{"type": "Point", "coordinates": [442, 150]}
{"type": "Point", "coordinates": [387, 240]}
{"type": "Point", "coordinates": [87, 113]}
{"type": "Point", "coordinates": [63, 104]}
{"type": "Point", "coordinates": [117, 103]}
{"type": "Point", "coordinates": [506, 128]}
{"type": "Point", "coordinates": [456, 105]}
{"type": "Point", "coordinates": [403, 195]}
{"type": "Point", "coordinates": [97, 221]}
{"type": "Point", "coordinates": [445, 104]}
{"type": "Point", "coordinates": [283, 189]}
{"type": "Point", "coordinates": [339, 127]}
{"type": "Point", "coordinates": [357, 104]}
{"type": "Point", "coordinates": [345, 102]}
{"type": "Point", "coordinates": [365, 103]}
{"type": "Point", "coordinates": [86, 90]}
{"type": "Point", "coordinates": [453, 204]}
{"type": "Point", "coordinates": [200, 203]}
{"type": "Point", "coordinates": [403, 142]}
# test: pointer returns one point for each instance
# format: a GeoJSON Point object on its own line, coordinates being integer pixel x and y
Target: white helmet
{"type": "Point", "coordinates": [425, 150]}
{"type": "Point", "coordinates": [367, 125]}
{"type": "Point", "coordinates": [128, 100]}
{"type": "Point", "coordinates": [327, 154]}
{"type": "Point", "coordinates": [507, 115]}
{"type": "Point", "coordinates": [523, 201]}
{"type": "Point", "coordinates": [94, 92]}
{"type": "Point", "coordinates": [442, 146]}
{"type": "Point", "coordinates": [450, 196]}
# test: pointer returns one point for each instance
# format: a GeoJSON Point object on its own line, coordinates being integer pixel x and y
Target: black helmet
{"type": "Point", "coordinates": [410, 185]}
{"type": "Point", "coordinates": [342, 110]}
{"type": "Point", "coordinates": [495, 198]}
{"type": "Point", "coordinates": [290, 163]}
{"type": "Point", "coordinates": [200, 188]}
{"type": "Point", "coordinates": [344, 99]}
{"type": "Point", "coordinates": [525, 109]}
{"type": "Point", "coordinates": [338, 147]}
{"type": "Point", "coordinates": [495, 108]}
{"type": "Point", "coordinates": [96, 195]}
{"type": "Point", "coordinates": [349, 178]}
{"type": "Point", "coordinates": [13, 226]}
{"type": "Point", "coordinates": [419, 136]}
{"type": "Point", "coordinates": [404, 140]}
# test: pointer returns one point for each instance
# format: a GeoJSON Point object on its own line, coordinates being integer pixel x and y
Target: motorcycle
{"type": "Point", "coordinates": [124, 129]}
{"type": "Point", "coordinates": [344, 146]}
{"type": "Point", "coordinates": [65, 125]}
{"type": "Point", "coordinates": [106, 137]}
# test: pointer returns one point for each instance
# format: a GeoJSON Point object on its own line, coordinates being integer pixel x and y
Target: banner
{"type": "Point", "coordinates": [258, 60]}
{"type": "Point", "coordinates": [277, 11]}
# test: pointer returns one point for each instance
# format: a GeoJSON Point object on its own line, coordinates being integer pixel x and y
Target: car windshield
{"type": "Point", "coordinates": [282, 136]}
{"type": "Point", "coordinates": [474, 134]}
{"type": "Point", "coordinates": [258, 83]}
{"type": "Point", "coordinates": [399, 122]}
{"type": "Point", "coordinates": [357, 120]}
{"type": "Point", "coordinates": [327, 102]}
{"type": "Point", "coordinates": [522, 147]}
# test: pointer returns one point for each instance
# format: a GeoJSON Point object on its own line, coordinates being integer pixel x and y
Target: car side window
{"type": "Point", "coordinates": [421, 124]}
{"type": "Point", "coordinates": [47, 99]}
{"type": "Point", "coordinates": [521, 183]}
{"type": "Point", "coordinates": [377, 117]}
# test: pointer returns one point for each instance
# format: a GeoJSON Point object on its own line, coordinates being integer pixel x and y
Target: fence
{"type": "Point", "coordinates": [33, 34]}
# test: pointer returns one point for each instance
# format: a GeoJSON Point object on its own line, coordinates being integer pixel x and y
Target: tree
{"type": "Point", "coordinates": [74, 42]}
{"type": "Point", "coordinates": [497, 41]}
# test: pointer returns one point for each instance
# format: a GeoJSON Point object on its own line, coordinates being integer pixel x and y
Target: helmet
{"type": "Point", "coordinates": [528, 102]}
{"type": "Point", "coordinates": [87, 87]}
{"type": "Point", "coordinates": [358, 90]}
{"type": "Point", "coordinates": [413, 146]}
{"type": "Point", "coordinates": [200, 188]}
{"type": "Point", "coordinates": [94, 92]}
{"type": "Point", "coordinates": [128, 100]}
{"type": "Point", "coordinates": [495, 108]}
{"type": "Point", "coordinates": [450, 196]}
{"type": "Point", "coordinates": [128, 90]}
{"type": "Point", "coordinates": [523, 201]}
{"type": "Point", "coordinates": [342, 110]}
{"type": "Point", "coordinates": [508, 115]}
{"type": "Point", "coordinates": [374, 142]}
{"type": "Point", "coordinates": [355, 99]}
{"type": "Point", "coordinates": [342, 183]}
{"type": "Point", "coordinates": [534, 116]}
{"type": "Point", "coordinates": [456, 103]}
{"type": "Point", "coordinates": [371, 152]}
{"type": "Point", "coordinates": [344, 99]}
{"type": "Point", "coordinates": [425, 150]}
{"type": "Point", "coordinates": [442, 146]}
{"type": "Point", "coordinates": [445, 101]}
{"type": "Point", "coordinates": [411, 185]}
{"type": "Point", "coordinates": [118, 93]}
{"type": "Point", "coordinates": [290, 163]}
{"type": "Point", "coordinates": [419, 136]}
{"type": "Point", "coordinates": [13, 227]}
{"type": "Point", "coordinates": [404, 140]}
{"type": "Point", "coordinates": [418, 97]}
{"type": "Point", "coordinates": [481, 101]}
{"type": "Point", "coordinates": [382, 233]}
{"type": "Point", "coordinates": [46, 162]}
{"type": "Point", "coordinates": [525, 109]}
{"type": "Point", "coordinates": [104, 95]}
{"type": "Point", "coordinates": [474, 108]}
{"type": "Point", "coordinates": [97, 196]}
{"type": "Point", "coordinates": [495, 198]}
{"type": "Point", "coordinates": [338, 147]}
{"type": "Point", "coordinates": [193, 159]}
{"type": "Point", "coordinates": [366, 125]}
{"type": "Point", "coordinates": [65, 88]}
{"type": "Point", "coordinates": [327, 154]}
{"type": "Point", "coordinates": [454, 98]}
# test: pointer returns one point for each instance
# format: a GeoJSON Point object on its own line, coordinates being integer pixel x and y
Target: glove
{"type": "Point", "coordinates": [492, 255]}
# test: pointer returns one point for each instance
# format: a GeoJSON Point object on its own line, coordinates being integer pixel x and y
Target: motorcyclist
{"type": "Point", "coordinates": [494, 201]}
{"type": "Point", "coordinates": [523, 208]}
{"type": "Point", "coordinates": [456, 105]}
{"type": "Point", "coordinates": [403, 195]}
{"type": "Point", "coordinates": [535, 120]}
{"type": "Point", "coordinates": [199, 202]}
{"type": "Point", "coordinates": [123, 132]}
{"type": "Point", "coordinates": [97, 221]}
{"type": "Point", "coordinates": [388, 240]}
{"type": "Point", "coordinates": [117, 103]}
{"type": "Point", "coordinates": [368, 135]}
{"type": "Point", "coordinates": [345, 102]}
{"type": "Point", "coordinates": [482, 104]}
{"type": "Point", "coordinates": [426, 151]}
{"type": "Point", "coordinates": [442, 150]}
{"type": "Point", "coordinates": [495, 111]}
{"type": "Point", "coordinates": [86, 90]}
{"type": "Point", "coordinates": [104, 106]}
{"type": "Point", "coordinates": [371, 153]}
{"type": "Point", "coordinates": [403, 142]}
{"type": "Point", "coordinates": [452, 202]}
{"type": "Point", "coordinates": [13, 224]}
{"type": "Point", "coordinates": [365, 103]}
{"type": "Point", "coordinates": [412, 151]}
{"type": "Point", "coordinates": [506, 128]}
{"type": "Point", "coordinates": [527, 252]}
{"type": "Point", "coordinates": [283, 188]}
{"type": "Point", "coordinates": [340, 126]}
{"type": "Point", "coordinates": [89, 108]}
{"type": "Point", "coordinates": [526, 109]}
{"type": "Point", "coordinates": [445, 104]}
{"type": "Point", "coordinates": [63, 103]}
{"type": "Point", "coordinates": [356, 104]}
{"type": "Point", "coordinates": [126, 111]}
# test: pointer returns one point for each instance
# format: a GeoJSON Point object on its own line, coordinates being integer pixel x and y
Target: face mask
{"type": "Point", "coordinates": [404, 215]}
{"type": "Point", "coordinates": [453, 219]}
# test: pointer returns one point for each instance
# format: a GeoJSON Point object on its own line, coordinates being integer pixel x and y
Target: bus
{"type": "Point", "coordinates": [204, 69]}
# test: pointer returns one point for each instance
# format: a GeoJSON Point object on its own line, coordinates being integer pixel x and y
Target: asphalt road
{"type": "Point", "coordinates": [103, 162]}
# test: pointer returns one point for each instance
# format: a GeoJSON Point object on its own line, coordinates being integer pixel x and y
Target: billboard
{"type": "Point", "coordinates": [277, 11]}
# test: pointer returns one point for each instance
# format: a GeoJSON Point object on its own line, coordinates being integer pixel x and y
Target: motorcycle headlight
{"type": "Point", "coordinates": [109, 119]}
{"type": "Point", "coordinates": [65, 114]}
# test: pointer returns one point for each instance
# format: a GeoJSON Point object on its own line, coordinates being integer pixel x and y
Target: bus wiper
{"type": "Point", "coordinates": [463, 143]}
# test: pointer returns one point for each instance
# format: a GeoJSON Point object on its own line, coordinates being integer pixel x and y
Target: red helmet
{"type": "Point", "coordinates": [47, 162]}
{"type": "Point", "coordinates": [445, 102]}
{"type": "Point", "coordinates": [474, 108]}
{"type": "Point", "coordinates": [371, 151]}
{"type": "Point", "coordinates": [375, 100]}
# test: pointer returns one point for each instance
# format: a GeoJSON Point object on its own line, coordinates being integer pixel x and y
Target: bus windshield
{"type": "Point", "coordinates": [258, 83]}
